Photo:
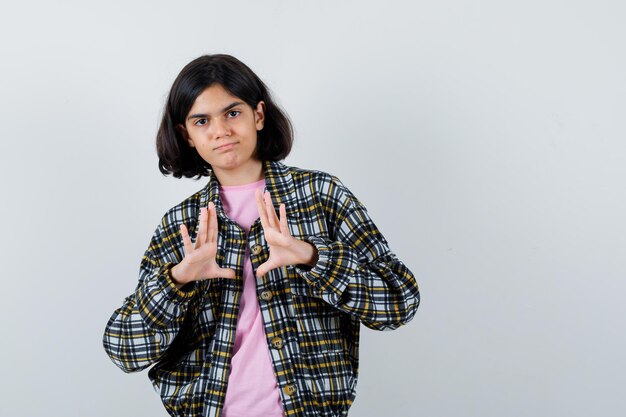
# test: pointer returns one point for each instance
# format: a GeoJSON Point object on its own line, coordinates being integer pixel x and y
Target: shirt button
{"type": "Point", "coordinates": [257, 249]}
{"type": "Point", "coordinates": [266, 295]}
{"type": "Point", "coordinates": [277, 343]}
{"type": "Point", "coordinates": [290, 389]}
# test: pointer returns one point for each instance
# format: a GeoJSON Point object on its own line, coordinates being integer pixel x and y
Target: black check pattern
{"type": "Point", "coordinates": [312, 316]}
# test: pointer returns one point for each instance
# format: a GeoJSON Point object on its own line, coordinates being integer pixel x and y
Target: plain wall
{"type": "Point", "coordinates": [486, 138]}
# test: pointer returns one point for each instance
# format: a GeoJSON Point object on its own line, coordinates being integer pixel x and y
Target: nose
{"type": "Point", "coordinates": [220, 128]}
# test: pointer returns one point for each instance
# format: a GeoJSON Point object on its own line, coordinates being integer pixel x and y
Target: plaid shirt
{"type": "Point", "coordinates": [311, 316]}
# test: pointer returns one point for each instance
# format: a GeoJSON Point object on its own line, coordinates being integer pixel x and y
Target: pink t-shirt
{"type": "Point", "coordinates": [252, 388]}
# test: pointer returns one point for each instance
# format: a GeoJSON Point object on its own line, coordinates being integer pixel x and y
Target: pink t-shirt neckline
{"type": "Point", "coordinates": [242, 187]}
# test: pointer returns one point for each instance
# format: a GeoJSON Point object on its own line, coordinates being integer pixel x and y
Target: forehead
{"type": "Point", "coordinates": [213, 99]}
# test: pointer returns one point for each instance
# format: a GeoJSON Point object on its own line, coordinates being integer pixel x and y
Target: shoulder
{"type": "Point", "coordinates": [183, 212]}
{"type": "Point", "coordinates": [325, 184]}
{"type": "Point", "coordinates": [296, 171]}
{"type": "Point", "coordinates": [307, 176]}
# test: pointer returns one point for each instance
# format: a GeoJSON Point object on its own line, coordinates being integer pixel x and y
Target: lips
{"type": "Point", "coordinates": [225, 146]}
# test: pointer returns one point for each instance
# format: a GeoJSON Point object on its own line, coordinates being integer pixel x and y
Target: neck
{"type": "Point", "coordinates": [252, 172]}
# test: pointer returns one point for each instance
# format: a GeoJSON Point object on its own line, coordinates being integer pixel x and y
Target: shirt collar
{"type": "Point", "coordinates": [278, 181]}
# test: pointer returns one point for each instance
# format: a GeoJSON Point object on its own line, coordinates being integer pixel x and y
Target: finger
{"type": "Point", "coordinates": [201, 236]}
{"type": "Point", "coordinates": [186, 239]}
{"type": "Point", "coordinates": [261, 208]}
{"type": "Point", "coordinates": [271, 212]}
{"type": "Point", "coordinates": [227, 273]}
{"type": "Point", "coordinates": [212, 233]}
{"type": "Point", "coordinates": [284, 228]}
{"type": "Point", "coordinates": [264, 268]}
{"type": "Point", "coordinates": [261, 270]}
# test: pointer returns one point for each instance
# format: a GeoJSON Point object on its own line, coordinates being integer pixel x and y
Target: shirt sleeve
{"type": "Point", "coordinates": [356, 272]}
{"type": "Point", "coordinates": [140, 331]}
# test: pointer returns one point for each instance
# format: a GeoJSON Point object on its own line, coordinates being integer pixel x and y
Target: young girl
{"type": "Point", "coordinates": [252, 290]}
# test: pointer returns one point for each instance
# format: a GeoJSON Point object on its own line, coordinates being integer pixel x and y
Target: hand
{"type": "Point", "coordinates": [284, 248]}
{"type": "Point", "coordinates": [199, 261]}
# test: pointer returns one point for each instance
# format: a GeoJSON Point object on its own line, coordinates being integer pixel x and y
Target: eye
{"type": "Point", "coordinates": [233, 113]}
{"type": "Point", "coordinates": [200, 122]}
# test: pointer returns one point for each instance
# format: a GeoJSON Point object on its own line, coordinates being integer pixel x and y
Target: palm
{"type": "Point", "coordinates": [284, 248]}
{"type": "Point", "coordinates": [199, 262]}
{"type": "Point", "coordinates": [279, 245]}
{"type": "Point", "coordinates": [276, 239]}
{"type": "Point", "coordinates": [203, 259]}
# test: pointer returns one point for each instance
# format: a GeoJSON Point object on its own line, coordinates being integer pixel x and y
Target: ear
{"type": "Point", "coordinates": [259, 115]}
{"type": "Point", "coordinates": [183, 132]}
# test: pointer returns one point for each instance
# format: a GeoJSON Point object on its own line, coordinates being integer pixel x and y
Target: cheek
{"type": "Point", "coordinates": [203, 149]}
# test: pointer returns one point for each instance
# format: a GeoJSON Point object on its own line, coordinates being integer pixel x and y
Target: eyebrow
{"type": "Point", "coordinates": [230, 106]}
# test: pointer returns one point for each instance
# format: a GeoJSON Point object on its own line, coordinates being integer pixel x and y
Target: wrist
{"type": "Point", "coordinates": [175, 276]}
{"type": "Point", "coordinates": [308, 254]}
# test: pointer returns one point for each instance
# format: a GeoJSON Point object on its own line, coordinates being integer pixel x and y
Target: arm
{"type": "Point", "coordinates": [140, 331]}
{"type": "Point", "coordinates": [356, 272]}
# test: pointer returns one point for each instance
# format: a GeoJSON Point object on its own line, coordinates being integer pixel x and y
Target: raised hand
{"type": "Point", "coordinates": [284, 248]}
{"type": "Point", "coordinates": [199, 261]}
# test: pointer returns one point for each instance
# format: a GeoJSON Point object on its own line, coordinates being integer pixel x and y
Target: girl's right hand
{"type": "Point", "coordinates": [199, 262]}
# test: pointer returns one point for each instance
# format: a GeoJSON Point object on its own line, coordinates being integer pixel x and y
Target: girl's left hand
{"type": "Point", "coordinates": [284, 248]}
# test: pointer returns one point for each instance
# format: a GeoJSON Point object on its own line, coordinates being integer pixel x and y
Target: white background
{"type": "Point", "coordinates": [486, 138]}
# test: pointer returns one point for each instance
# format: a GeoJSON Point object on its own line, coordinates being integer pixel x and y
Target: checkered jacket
{"type": "Point", "coordinates": [311, 315]}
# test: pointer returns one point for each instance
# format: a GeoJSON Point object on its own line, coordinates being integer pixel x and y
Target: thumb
{"type": "Point", "coordinates": [228, 273]}
{"type": "Point", "coordinates": [262, 269]}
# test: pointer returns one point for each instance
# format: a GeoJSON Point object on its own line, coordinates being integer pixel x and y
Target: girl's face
{"type": "Point", "coordinates": [223, 129]}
